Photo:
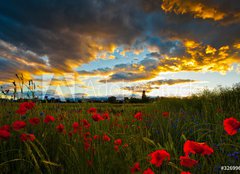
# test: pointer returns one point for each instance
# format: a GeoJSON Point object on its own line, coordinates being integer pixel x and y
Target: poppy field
{"type": "Point", "coordinates": [172, 135]}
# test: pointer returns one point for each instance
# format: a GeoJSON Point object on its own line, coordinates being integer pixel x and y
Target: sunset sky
{"type": "Point", "coordinates": [80, 48]}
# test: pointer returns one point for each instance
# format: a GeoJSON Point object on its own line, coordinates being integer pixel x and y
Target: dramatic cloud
{"type": "Point", "coordinates": [151, 85]}
{"type": "Point", "coordinates": [57, 36]}
{"type": "Point", "coordinates": [68, 33]}
{"type": "Point", "coordinates": [192, 56]}
{"type": "Point", "coordinates": [217, 10]}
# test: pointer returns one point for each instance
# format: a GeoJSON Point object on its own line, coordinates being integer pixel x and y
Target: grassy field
{"type": "Point", "coordinates": [163, 125]}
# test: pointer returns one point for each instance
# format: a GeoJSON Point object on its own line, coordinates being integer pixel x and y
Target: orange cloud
{"type": "Point", "coordinates": [198, 9]}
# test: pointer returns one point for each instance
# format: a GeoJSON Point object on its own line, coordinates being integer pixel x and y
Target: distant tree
{"type": "Point", "coordinates": [135, 100]}
{"type": "Point", "coordinates": [112, 99]}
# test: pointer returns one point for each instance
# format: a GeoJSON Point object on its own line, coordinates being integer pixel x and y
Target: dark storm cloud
{"type": "Point", "coordinates": [68, 30]}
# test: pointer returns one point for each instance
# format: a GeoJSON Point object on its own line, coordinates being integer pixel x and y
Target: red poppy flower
{"type": "Point", "coordinates": [125, 145]}
{"type": "Point", "coordinates": [24, 107]}
{"type": "Point", "coordinates": [195, 147]}
{"type": "Point", "coordinates": [148, 171]}
{"type": "Point", "coordinates": [92, 110]}
{"type": "Point", "coordinates": [86, 124]}
{"type": "Point", "coordinates": [28, 105]}
{"type": "Point", "coordinates": [60, 128]}
{"type": "Point", "coordinates": [5, 127]}
{"type": "Point", "coordinates": [116, 148]}
{"type": "Point", "coordinates": [138, 116]}
{"type": "Point", "coordinates": [118, 142]}
{"type": "Point", "coordinates": [185, 172]}
{"type": "Point", "coordinates": [27, 137]}
{"type": "Point", "coordinates": [106, 138]}
{"type": "Point", "coordinates": [31, 137]}
{"type": "Point", "coordinates": [75, 125]}
{"type": "Point", "coordinates": [96, 137]}
{"type": "Point", "coordinates": [158, 157]}
{"type": "Point", "coordinates": [187, 162]}
{"type": "Point", "coordinates": [106, 116]}
{"type": "Point", "coordinates": [165, 114]}
{"type": "Point", "coordinates": [135, 168]}
{"type": "Point", "coordinates": [4, 134]}
{"type": "Point", "coordinates": [231, 125]}
{"type": "Point", "coordinates": [34, 121]}
{"type": "Point", "coordinates": [97, 117]}
{"type": "Point", "coordinates": [87, 134]}
{"type": "Point", "coordinates": [17, 125]}
{"type": "Point", "coordinates": [23, 137]}
{"type": "Point", "coordinates": [21, 111]}
{"type": "Point", "coordinates": [48, 119]}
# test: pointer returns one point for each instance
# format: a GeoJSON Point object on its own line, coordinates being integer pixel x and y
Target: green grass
{"type": "Point", "coordinates": [199, 118]}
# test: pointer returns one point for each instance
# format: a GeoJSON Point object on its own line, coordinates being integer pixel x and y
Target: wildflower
{"type": "Point", "coordinates": [17, 125]}
{"type": "Point", "coordinates": [31, 137]}
{"type": "Point", "coordinates": [92, 110]}
{"type": "Point", "coordinates": [138, 116]}
{"type": "Point", "coordinates": [116, 148]}
{"type": "Point", "coordinates": [165, 114]}
{"type": "Point", "coordinates": [135, 168]}
{"type": "Point", "coordinates": [96, 137]}
{"type": "Point", "coordinates": [186, 161]}
{"type": "Point", "coordinates": [48, 119]}
{"type": "Point", "coordinates": [97, 117]}
{"type": "Point", "coordinates": [75, 125]}
{"type": "Point", "coordinates": [86, 124]}
{"type": "Point", "coordinates": [235, 155]}
{"type": "Point", "coordinates": [4, 134]}
{"type": "Point", "coordinates": [125, 145]}
{"type": "Point", "coordinates": [158, 157]}
{"type": "Point", "coordinates": [27, 137]}
{"type": "Point", "coordinates": [118, 142]}
{"type": "Point", "coordinates": [106, 116]}
{"type": "Point", "coordinates": [21, 111]}
{"type": "Point", "coordinates": [28, 105]}
{"type": "Point", "coordinates": [231, 125]}
{"type": "Point", "coordinates": [5, 127]}
{"type": "Point", "coordinates": [23, 137]}
{"type": "Point", "coordinates": [87, 134]}
{"type": "Point", "coordinates": [185, 172]}
{"type": "Point", "coordinates": [34, 121]}
{"type": "Point", "coordinates": [106, 138]}
{"type": "Point", "coordinates": [195, 147]}
{"type": "Point", "coordinates": [41, 114]}
{"type": "Point", "coordinates": [24, 107]}
{"type": "Point", "coordinates": [148, 171]}
{"type": "Point", "coordinates": [60, 128]}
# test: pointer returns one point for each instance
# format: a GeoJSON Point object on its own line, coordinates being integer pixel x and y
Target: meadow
{"type": "Point", "coordinates": [168, 136]}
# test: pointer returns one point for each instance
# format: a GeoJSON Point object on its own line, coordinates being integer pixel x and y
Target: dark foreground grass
{"type": "Point", "coordinates": [198, 118]}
